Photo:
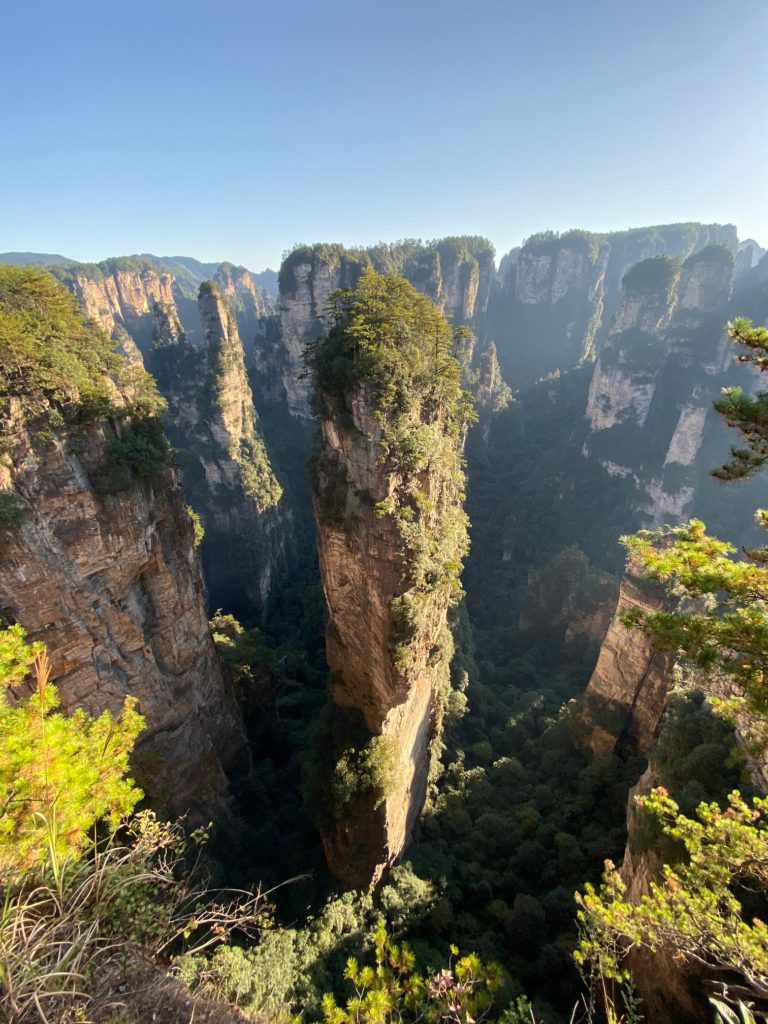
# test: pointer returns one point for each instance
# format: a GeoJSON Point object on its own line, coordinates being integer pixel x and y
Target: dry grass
{"type": "Point", "coordinates": [90, 942]}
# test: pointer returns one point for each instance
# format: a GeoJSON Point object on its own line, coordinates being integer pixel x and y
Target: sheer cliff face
{"type": "Point", "coordinates": [362, 572]}
{"type": "Point", "coordinates": [112, 585]}
{"type": "Point", "coordinates": [121, 294]}
{"type": "Point", "coordinates": [665, 359]}
{"type": "Point", "coordinates": [225, 467]}
{"type": "Point", "coordinates": [303, 299]}
{"type": "Point", "coordinates": [391, 534]}
{"type": "Point", "coordinates": [626, 696]}
{"type": "Point", "coordinates": [564, 291]}
{"type": "Point", "coordinates": [547, 277]}
{"type": "Point", "coordinates": [123, 299]}
{"type": "Point", "coordinates": [251, 304]}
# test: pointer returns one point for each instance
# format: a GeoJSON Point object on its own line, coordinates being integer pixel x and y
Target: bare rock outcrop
{"type": "Point", "coordinates": [119, 295]}
{"type": "Point", "coordinates": [626, 696]}
{"type": "Point", "coordinates": [112, 584]}
{"type": "Point", "coordinates": [227, 475]}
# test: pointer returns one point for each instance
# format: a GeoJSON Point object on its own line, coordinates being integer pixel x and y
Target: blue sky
{"type": "Point", "coordinates": [232, 129]}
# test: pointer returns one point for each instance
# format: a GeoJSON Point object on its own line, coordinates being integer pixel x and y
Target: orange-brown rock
{"type": "Point", "coordinates": [123, 298]}
{"type": "Point", "coordinates": [111, 583]}
{"type": "Point", "coordinates": [626, 695]}
{"type": "Point", "coordinates": [362, 571]}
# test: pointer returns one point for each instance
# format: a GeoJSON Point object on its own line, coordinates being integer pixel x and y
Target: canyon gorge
{"type": "Point", "coordinates": [453, 716]}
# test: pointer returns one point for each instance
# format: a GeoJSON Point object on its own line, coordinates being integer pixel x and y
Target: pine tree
{"type": "Point", "coordinates": [59, 775]}
{"type": "Point", "coordinates": [695, 913]}
{"type": "Point", "coordinates": [746, 414]}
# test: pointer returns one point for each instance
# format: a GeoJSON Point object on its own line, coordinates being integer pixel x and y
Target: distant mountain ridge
{"type": "Point", "coordinates": [183, 267]}
{"type": "Point", "coordinates": [24, 259]}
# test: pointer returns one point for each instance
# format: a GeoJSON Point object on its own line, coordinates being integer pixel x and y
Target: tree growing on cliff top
{"type": "Point", "coordinates": [391, 352]}
{"type": "Point", "coordinates": [391, 339]}
{"type": "Point", "coordinates": [50, 352]}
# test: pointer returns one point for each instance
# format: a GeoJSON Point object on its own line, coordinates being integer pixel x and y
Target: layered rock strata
{"type": "Point", "coordinates": [111, 583]}
{"type": "Point", "coordinates": [626, 696]}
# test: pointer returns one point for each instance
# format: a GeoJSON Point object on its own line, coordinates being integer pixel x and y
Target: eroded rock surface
{"type": "Point", "coordinates": [111, 583]}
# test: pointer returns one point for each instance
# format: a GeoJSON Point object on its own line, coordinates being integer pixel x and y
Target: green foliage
{"type": "Point", "coordinates": [12, 512]}
{"type": "Point", "coordinates": [715, 255]}
{"type": "Point", "coordinates": [126, 910]}
{"type": "Point", "coordinates": [727, 1015]}
{"type": "Point", "coordinates": [694, 913]}
{"type": "Point", "coordinates": [46, 345]}
{"type": "Point", "coordinates": [197, 526]}
{"type": "Point", "coordinates": [59, 774]}
{"type": "Point", "coordinates": [256, 474]}
{"type": "Point", "coordinates": [749, 415]}
{"type": "Point", "coordinates": [656, 276]}
{"type": "Point", "coordinates": [139, 452]}
{"type": "Point", "coordinates": [48, 351]}
{"type": "Point", "coordinates": [393, 991]}
{"type": "Point", "coordinates": [548, 243]}
{"type": "Point", "coordinates": [373, 767]}
{"type": "Point", "coordinates": [289, 969]}
{"type": "Point", "coordinates": [243, 651]}
{"type": "Point", "coordinates": [731, 637]}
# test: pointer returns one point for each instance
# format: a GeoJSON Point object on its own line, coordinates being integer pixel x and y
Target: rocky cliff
{"type": "Point", "coordinates": [456, 273]}
{"type": "Point", "coordinates": [120, 294]}
{"type": "Point", "coordinates": [391, 533]}
{"type": "Point", "coordinates": [97, 561]}
{"type": "Point", "coordinates": [649, 407]}
{"type": "Point", "coordinates": [251, 305]}
{"type": "Point", "coordinates": [227, 475]}
{"type": "Point", "coordinates": [626, 696]}
{"type": "Point", "coordinates": [558, 294]}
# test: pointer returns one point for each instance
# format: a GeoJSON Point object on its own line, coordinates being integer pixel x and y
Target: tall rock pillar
{"type": "Point", "coordinates": [391, 534]}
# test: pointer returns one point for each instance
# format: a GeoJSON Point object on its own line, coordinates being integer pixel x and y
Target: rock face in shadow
{"type": "Point", "coordinates": [110, 581]}
{"type": "Point", "coordinates": [666, 356]}
{"type": "Point", "coordinates": [624, 702]}
{"type": "Point", "coordinates": [226, 471]}
{"type": "Point", "coordinates": [557, 295]}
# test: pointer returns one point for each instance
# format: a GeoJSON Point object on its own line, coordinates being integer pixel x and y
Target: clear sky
{"type": "Point", "coordinates": [232, 129]}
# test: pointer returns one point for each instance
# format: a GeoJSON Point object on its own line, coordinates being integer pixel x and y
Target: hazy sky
{"type": "Point", "coordinates": [235, 128]}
